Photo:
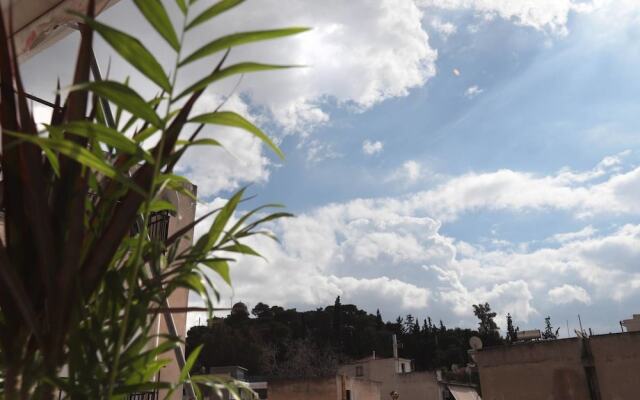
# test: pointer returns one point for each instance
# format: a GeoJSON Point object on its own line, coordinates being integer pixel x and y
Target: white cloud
{"type": "Point", "coordinates": [472, 91]}
{"type": "Point", "coordinates": [568, 293]}
{"type": "Point", "coordinates": [545, 15]}
{"type": "Point", "coordinates": [586, 232]}
{"type": "Point", "coordinates": [371, 148]}
{"type": "Point", "coordinates": [402, 295]}
{"type": "Point", "coordinates": [354, 63]}
{"type": "Point", "coordinates": [240, 161]}
{"type": "Point", "coordinates": [381, 54]}
{"type": "Point", "coordinates": [408, 173]}
{"type": "Point", "coordinates": [372, 251]}
{"type": "Point", "coordinates": [41, 114]}
{"type": "Point", "coordinates": [445, 29]}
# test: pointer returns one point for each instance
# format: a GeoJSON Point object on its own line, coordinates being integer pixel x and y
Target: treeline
{"type": "Point", "coordinates": [289, 343]}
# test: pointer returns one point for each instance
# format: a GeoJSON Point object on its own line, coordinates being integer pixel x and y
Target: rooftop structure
{"type": "Point", "coordinates": [586, 367]}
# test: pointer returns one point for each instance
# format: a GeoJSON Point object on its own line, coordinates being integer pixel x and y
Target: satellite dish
{"type": "Point", "coordinates": [475, 343]}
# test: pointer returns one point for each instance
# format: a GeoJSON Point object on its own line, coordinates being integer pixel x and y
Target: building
{"type": "Point", "coordinates": [232, 372]}
{"type": "Point", "coordinates": [163, 225]}
{"type": "Point", "coordinates": [598, 367]}
{"type": "Point", "coordinates": [395, 374]}
{"type": "Point", "coordinates": [337, 387]}
{"type": "Point", "coordinates": [633, 324]}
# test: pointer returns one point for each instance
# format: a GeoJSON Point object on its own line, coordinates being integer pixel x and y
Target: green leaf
{"type": "Point", "coordinates": [207, 241]}
{"type": "Point", "coordinates": [242, 249]}
{"type": "Point", "coordinates": [125, 97]}
{"type": "Point", "coordinates": [221, 267]}
{"type": "Point", "coordinates": [237, 39]}
{"type": "Point", "coordinates": [132, 50]}
{"type": "Point", "coordinates": [79, 154]}
{"type": "Point", "coordinates": [199, 142]}
{"type": "Point", "coordinates": [229, 118]}
{"type": "Point", "coordinates": [53, 160]}
{"type": "Point", "coordinates": [156, 14]}
{"type": "Point", "coordinates": [161, 205]}
{"type": "Point", "coordinates": [145, 134]}
{"type": "Point", "coordinates": [240, 68]}
{"type": "Point", "coordinates": [213, 11]}
{"type": "Point", "coordinates": [106, 135]}
{"type": "Point", "coordinates": [182, 6]}
{"type": "Point", "coordinates": [248, 215]}
{"type": "Point", "coordinates": [191, 360]}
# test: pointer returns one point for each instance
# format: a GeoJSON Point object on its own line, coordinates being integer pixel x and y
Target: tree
{"type": "Point", "coordinates": [337, 322]}
{"type": "Point", "coordinates": [262, 310]}
{"type": "Point", "coordinates": [431, 326]}
{"type": "Point", "coordinates": [548, 332]}
{"type": "Point", "coordinates": [379, 321]}
{"type": "Point", "coordinates": [512, 333]}
{"type": "Point", "coordinates": [416, 328]}
{"type": "Point", "coordinates": [409, 322]}
{"type": "Point", "coordinates": [82, 280]}
{"type": "Point", "coordinates": [487, 325]}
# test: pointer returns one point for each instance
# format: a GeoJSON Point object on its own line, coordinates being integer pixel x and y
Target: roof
{"type": "Point", "coordinates": [39, 24]}
{"type": "Point", "coordinates": [371, 358]}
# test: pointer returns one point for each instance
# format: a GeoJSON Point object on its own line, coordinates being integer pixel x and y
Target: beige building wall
{"type": "Point", "coordinates": [329, 388]}
{"type": "Point", "coordinates": [553, 370]}
{"type": "Point", "coordinates": [617, 362]}
{"type": "Point", "coordinates": [186, 211]}
{"type": "Point", "coordinates": [410, 385]}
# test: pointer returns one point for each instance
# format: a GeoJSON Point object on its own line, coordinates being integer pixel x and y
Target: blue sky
{"type": "Point", "coordinates": [440, 153]}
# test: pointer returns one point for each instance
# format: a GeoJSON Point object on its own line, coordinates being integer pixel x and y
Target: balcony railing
{"type": "Point", "coordinates": [159, 225]}
{"type": "Point", "coordinates": [143, 396]}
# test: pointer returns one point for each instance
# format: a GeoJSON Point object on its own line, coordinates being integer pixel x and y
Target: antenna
{"type": "Point", "coordinates": [580, 322]}
{"type": "Point", "coordinates": [475, 343]}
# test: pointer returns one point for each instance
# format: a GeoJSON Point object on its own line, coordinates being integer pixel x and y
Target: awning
{"type": "Point", "coordinates": [463, 392]}
{"type": "Point", "coordinates": [38, 24]}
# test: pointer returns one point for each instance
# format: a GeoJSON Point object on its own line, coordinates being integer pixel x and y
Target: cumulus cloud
{"type": "Point", "coordinates": [381, 54]}
{"type": "Point", "coordinates": [370, 148]}
{"type": "Point", "coordinates": [472, 91]}
{"type": "Point", "coordinates": [568, 293]}
{"type": "Point", "coordinates": [545, 15]}
{"type": "Point", "coordinates": [445, 29]}
{"type": "Point", "coordinates": [354, 63]}
{"type": "Point", "coordinates": [390, 253]}
{"type": "Point", "coordinates": [408, 173]}
{"type": "Point", "coordinates": [41, 114]}
{"type": "Point", "coordinates": [240, 160]}
{"type": "Point", "coordinates": [585, 232]}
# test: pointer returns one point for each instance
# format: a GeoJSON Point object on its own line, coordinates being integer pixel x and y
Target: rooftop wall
{"type": "Point", "coordinates": [330, 388]}
{"type": "Point", "coordinates": [554, 370]}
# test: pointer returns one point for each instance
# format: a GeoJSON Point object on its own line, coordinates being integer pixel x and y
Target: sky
{"type": "Point", "coordinates": [439, 154]}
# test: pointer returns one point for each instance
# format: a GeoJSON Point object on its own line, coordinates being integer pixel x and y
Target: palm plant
{"type": "Point", "coordinates": [79, 287]}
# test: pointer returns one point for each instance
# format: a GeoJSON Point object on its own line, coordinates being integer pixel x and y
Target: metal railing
{"type": "Point", "coordinates": [159, 225]}
{"type": "Point", "coordinates": [143, 396]}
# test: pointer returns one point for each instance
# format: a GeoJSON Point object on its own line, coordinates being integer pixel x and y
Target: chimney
{"type": "Point", "coordinates": [395, 346]}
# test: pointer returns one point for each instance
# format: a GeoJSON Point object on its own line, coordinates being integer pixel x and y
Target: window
{"type": "Point", "coordinates": [402, 366]}
{"type": "Point", "coordinates": [359, 370]}
{"type": "Point", "coordinates": [348, 394]}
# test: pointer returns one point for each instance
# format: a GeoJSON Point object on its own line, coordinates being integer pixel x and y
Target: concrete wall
{"type": "Point", "coordinates": [410, 386]}
{"type": "Point", "coordinates": [361, 389]}
{"type": "Point", "coordinates": [186, 211]}
{"type": "Point", "coordinates": [331, 388]}
{"type": "Point", "coordinates": [617, 362]}
{"type": "Point", "coordinates": [304, 389]}
{"type": "Point", "coordinates": [553, 370]}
